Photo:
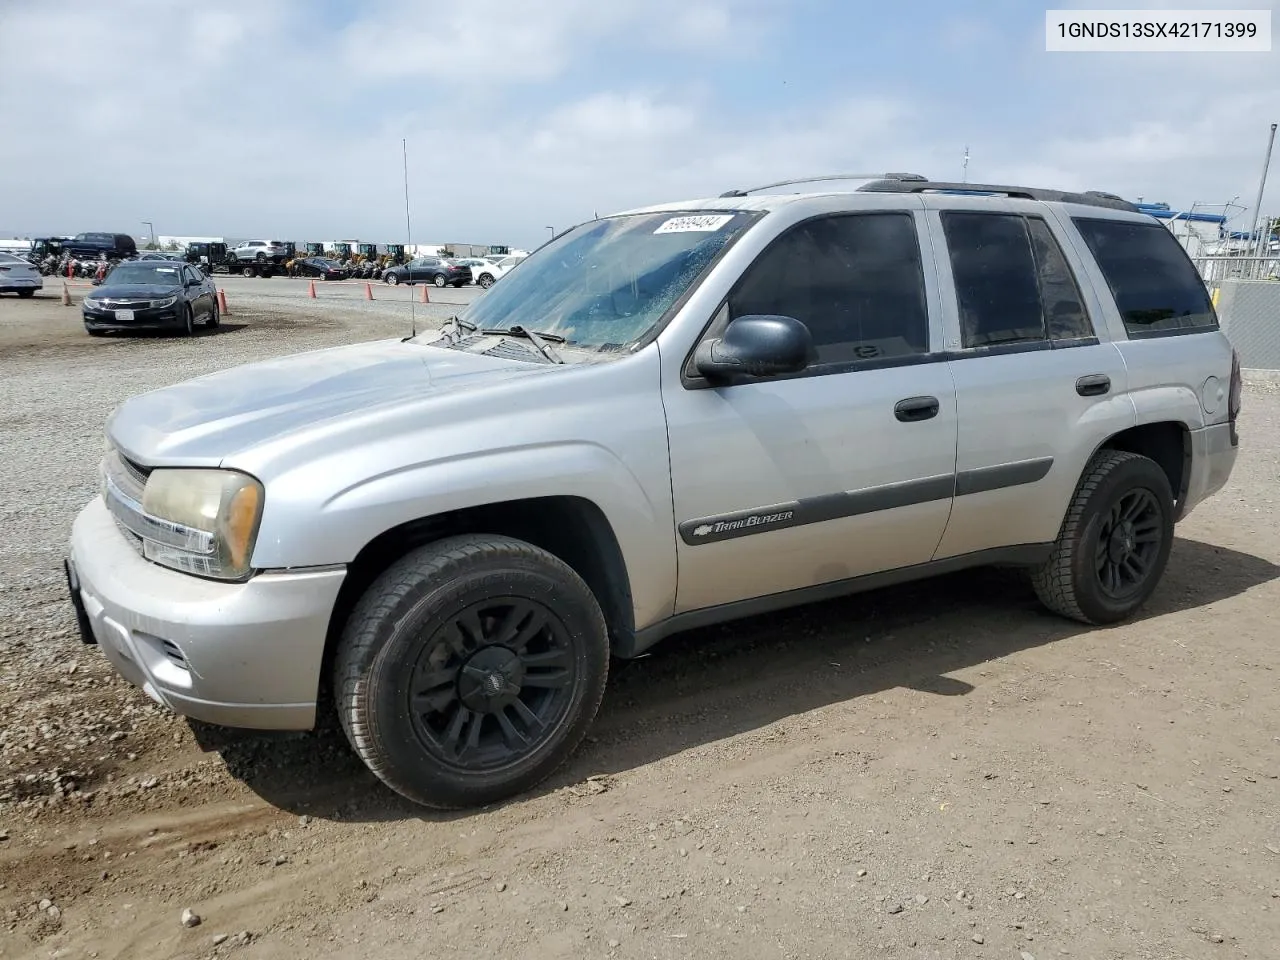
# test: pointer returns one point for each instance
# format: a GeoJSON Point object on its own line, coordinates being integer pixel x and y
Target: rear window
{"type": "Point", "coordinates": [1155, 285]}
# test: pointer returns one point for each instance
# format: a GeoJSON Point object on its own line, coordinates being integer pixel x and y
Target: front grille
{"type": "Point", "coordinates": [122, 492]}
{"type": "Point", "coordinates": [125, 304]}
{"type": "Point", "coordinates": [136, 471]}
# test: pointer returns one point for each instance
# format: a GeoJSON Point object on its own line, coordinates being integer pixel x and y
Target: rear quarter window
{"type": "Point", "coordinates": [1156, 287]}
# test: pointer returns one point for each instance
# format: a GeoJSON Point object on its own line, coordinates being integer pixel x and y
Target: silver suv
{"type": "Point", "coordinates": [260, 251]}
{"type": "Point", "coordinates": [665, 418]}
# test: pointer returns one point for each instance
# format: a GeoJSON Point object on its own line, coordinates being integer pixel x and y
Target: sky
{"type": "Point", "coordinates": [286, 118]}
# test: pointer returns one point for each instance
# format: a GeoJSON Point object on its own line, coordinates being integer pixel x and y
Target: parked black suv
{"type": "Point", "coordinates": [88, 246]}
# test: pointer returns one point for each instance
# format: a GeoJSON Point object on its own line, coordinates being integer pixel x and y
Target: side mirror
{"type": "Point", "coordinates": [759, 346]}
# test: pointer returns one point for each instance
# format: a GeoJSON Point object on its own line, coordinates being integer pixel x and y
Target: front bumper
{"type": "Point", "coordinates": [235, 654]}
{"type": "Point", "coordinates": [146, 319]}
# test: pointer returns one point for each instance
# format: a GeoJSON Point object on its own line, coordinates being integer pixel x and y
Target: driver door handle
{"type": "Point", "coordinates": [916, 408]}
{"type": "Point", "coordinates": [1094, 385]}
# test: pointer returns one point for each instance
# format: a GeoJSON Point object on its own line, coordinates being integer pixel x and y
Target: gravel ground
{"type": "Point", "coordinates": [937, 770]}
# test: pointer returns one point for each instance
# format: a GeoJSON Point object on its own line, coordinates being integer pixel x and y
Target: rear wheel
{"type": "Point", "coordinates": [470, 670]}
{"type": "Point", "coordinates": [215, 317]}
{"type": "Point", "coordinates": [485, 281]}
{"type": "Point", "coordinates": [26, 294]}
{"type": "Point", "coordinates": [247, 271]}
{"type": "Point", "coordinates": [261, 258]}
{"type": "Point", "coordinates": [1114, 543]}
{"type": "Point", "coordinates": [440, 280]}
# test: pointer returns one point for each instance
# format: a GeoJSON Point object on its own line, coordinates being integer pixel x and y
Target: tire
{"type": "Point", "coordinates": [440, 281]}
{"type": "Point", "coordinates": [391, 278]}
{"type": "Point", "coordinates": [215, 317]}
{"type": "Point", "coordinates": [485, 281]}
{"type": "Point", "coordinates": [404, 641]}
{"type": "Point", "coordinates": [26, 294]}
{"type": "Point", "coordinates": [92, 332]}
{"type": "Point", "coordinates": [1119, 521]}
{"type": "Point", "coordinates": [190, 328]}
{"type": "Point", "coordinates": [247, 271]}
{"type": "Point", "coordinates": [261, 258]}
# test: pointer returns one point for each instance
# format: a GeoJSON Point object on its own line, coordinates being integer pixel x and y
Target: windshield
{"type": "Point", "coordinates": [607, 282]}
{"type": "Point", "coordinates": [150, 272]}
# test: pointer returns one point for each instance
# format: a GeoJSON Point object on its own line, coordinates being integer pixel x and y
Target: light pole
{"type": "Point", "coordinates": [1263, 232]}
{"type": "Point", "coordinates": [553, 232]}
{"type": "Point", "coordinates": [152, 226]}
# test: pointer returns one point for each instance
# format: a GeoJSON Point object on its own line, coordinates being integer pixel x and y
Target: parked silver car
{"type": "Point", "coordinates": [665, 418]}
{"type": "Point", "coordinates": [19, 275]}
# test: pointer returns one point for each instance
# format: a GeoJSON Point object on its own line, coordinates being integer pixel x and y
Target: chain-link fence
{"type": "Point", "coordinates": [1216, 269]}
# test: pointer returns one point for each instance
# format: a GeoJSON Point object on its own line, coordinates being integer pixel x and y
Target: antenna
{"type": "Point", "coordinates": [965, 176]}
{"type": "Point", "coordinates": [408, 233]}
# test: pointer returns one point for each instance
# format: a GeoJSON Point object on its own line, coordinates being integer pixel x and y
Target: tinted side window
{"type": "Point", "coordinates": [855, 281]}
{"type": "Point", "coordinates": [1156, 288]}
{"type": "Point", "coordinates": [997, 284]}
{"type": "Point", "coordinates": [1060, 299]}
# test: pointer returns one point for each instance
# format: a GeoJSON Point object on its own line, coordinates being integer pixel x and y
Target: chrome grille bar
{"type": "Point", "coordinates": [128, 511]}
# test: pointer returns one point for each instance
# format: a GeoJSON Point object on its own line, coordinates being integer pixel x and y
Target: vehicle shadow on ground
{"type": "Point", "coordinates": [202, 330]}
{"type": "Point", "coordinates": [713, 683]}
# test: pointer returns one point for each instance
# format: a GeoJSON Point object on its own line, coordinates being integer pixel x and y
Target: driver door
{"type": "Point", "coordinates": [844, 469]}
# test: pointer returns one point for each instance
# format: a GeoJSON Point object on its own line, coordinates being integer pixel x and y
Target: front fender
{"type": "Point", "coordinates": [297, 531]}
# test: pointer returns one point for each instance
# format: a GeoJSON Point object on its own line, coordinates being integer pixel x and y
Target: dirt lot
{"type": "Point", "coordinates": [939, 770]}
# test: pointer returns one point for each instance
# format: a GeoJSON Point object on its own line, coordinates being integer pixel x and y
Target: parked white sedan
{"type": "Point", "coordinates": [19, 276]}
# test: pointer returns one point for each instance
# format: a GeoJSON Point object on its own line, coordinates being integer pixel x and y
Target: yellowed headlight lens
{"type": "Point", "coordinates": [222, 503]}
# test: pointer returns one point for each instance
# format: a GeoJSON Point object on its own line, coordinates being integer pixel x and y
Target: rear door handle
{"type": "Point", "coordinates": [916, 408]}
{"type": "Point", "coordinates": [1094, 385]}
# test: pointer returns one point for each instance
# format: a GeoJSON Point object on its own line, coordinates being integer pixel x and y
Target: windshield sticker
{"type": "Point", "coordinates": [706, 223]}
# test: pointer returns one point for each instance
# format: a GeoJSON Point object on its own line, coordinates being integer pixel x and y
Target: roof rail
{"type": "Point", "coordinates": [890, 177]}
{"type": "Point", "coordinates": [1093, 198]}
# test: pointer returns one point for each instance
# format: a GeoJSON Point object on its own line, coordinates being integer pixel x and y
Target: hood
{"type": "Point", "coordinates": [201, 422]}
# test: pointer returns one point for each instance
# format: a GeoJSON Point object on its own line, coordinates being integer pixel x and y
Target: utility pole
{"type": "Point", "coordinates": [965, 173]}
{"type": "Point", "coordinates": [1258, 218]}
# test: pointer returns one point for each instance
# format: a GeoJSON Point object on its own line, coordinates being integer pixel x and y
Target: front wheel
{"type": "Point", "coordinates": [247, 271]}
{"type": "Point", "coordinates": [470, 670]}
{"type": "Point", "coordinates": [189, 322]}
{"type": "Point", "coordinates": [392, 279]}
{"type": "Point", "coordinates": [440, 280]}
{"type": "Point", "coordinates": [1114, 543]}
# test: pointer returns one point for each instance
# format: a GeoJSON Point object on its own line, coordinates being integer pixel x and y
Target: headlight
{"type": "Point", "coordinates": [92, 303]}
{"type": "Point", "coordinates": [166, 302]}
{"type": "Point", "coordinates": [215, 516]}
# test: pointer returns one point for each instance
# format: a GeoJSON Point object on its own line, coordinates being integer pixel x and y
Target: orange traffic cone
{"type": "Point", "coordinates": [66, 295]}
{"type": "Point", "coordinates": [368, 291]}
{"type": "Point", "coordinates": [312, 292]}
{"type": "Point", "coordinates": [222, 303]}
{"type": "Point", "coordinates": [425, 298]}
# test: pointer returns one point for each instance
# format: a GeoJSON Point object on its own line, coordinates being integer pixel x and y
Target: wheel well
{"type": "Point", "coordinates": [1167, 443]}
{"type": "Point", "coordinates": [572, 528]}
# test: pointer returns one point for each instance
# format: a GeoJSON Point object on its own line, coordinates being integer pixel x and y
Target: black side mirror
{"type": "Point", "coordinates": [759, 346]}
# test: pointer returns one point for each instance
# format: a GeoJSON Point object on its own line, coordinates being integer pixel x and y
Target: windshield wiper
{"type": "Point", "coordinates": [539, 340]}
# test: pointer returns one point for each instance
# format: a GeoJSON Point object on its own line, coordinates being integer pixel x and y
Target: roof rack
{"type": "Point", "coordinates": [1093, 198]}
{"type": "Point", "coordinates": [887, 177]}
